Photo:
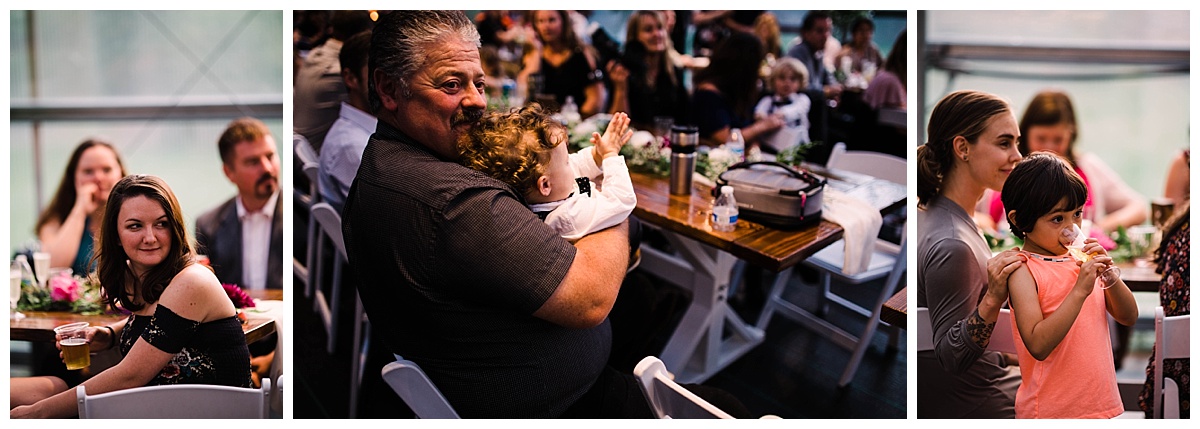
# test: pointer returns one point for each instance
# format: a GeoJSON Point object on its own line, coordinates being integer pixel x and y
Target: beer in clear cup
{"type": "Point", "coordinates": [72, 339]}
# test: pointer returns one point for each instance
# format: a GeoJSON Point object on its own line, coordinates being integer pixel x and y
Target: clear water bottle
{"type": "Point", "coordinates": [736, 144]}
{"type": "Point", "coordinates": [725, 211]}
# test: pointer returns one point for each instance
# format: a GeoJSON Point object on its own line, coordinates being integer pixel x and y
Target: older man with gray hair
{"type": "Point", "coordinates": [507, 318]}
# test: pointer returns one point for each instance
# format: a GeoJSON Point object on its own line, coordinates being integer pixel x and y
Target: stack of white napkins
{"type": "Point", "coordinates": [861, 223]}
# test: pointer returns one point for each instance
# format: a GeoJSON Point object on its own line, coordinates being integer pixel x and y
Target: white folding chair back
{"type": "Point", "coordinates": [881, 165]}
{"type": "Point", "coordinates": [326, 306]}
{"type": "Point", "coordinates": [307, 158]}
{"type": "Point", "coordinates": [883, 263]}
{"type": "Point", "coordinates": [1172, 340]}
{"type": "Point", "coordinates": [362, 346]}
{"type": "Point", "coordinates": [667, 398]}
{"type": "Point", "coordinates": [1002, 335]}
{"type": "Point", "coordinates": [415, 388]}
{"type": "Point", "coordinates": [181, 401]}
{"type": "Point", "coordinates": [924, 330]}
{"type": "Point", "coordinates": [887, 260]}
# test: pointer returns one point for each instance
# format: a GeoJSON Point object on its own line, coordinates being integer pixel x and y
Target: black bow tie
{"type": "Point", "coordinates": [781, 102]}
{"type": "Point", "coordinates": [585, 185]}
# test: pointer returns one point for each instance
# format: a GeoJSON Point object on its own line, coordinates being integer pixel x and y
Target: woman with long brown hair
{"type": "Point", "coordinates": [183, 328]}
{"type": "Point", "coordinates": [68, 226]}
{"type": "Point", "coordinates": [972, 147]}
{"type": "Point", "coordinates": [648, 84]}
{"type": "Point", "coordinates": [566, 64]}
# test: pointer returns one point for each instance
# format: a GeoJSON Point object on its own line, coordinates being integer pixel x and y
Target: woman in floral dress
{"type": "Point", "coordinates": [1175, 298]}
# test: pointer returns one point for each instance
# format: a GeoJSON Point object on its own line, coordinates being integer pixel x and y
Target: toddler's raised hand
{"type": "Point", "coordinates": [615, 136]}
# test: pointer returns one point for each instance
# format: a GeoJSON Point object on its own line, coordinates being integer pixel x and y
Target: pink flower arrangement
{"type": "Point", "coordinates": [64, 287]}
{"type": "Point", "coordinates": [238, 296]}
{"type": "Point", "coordinates": [1104, 240]}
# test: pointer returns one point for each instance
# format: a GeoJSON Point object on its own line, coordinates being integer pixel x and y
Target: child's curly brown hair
{"type": "Point", "coordinates": [514, 146]}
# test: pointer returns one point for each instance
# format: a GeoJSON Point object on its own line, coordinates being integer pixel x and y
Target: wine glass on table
{"type": "Point", "coordinates": [14, 294]}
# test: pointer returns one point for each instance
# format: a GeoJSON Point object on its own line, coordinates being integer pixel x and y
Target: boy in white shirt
{"type": "Point", "coordinates": [788, 77]}
{"type": "Point", "coordinates": [527, 149]}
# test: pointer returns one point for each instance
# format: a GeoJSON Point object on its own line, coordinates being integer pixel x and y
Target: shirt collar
{"type": "Point", "coordinates": [267, 209]}
{"type": "Point", "coordinates": [358, 117]}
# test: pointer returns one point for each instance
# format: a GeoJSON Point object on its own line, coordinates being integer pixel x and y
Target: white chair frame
{"type": "Point", "coordinates": [1172, 340]}
{"type": "Point", "coordinates": [667, 398]}
{"type": "Point", "coordinates": [327, 306]}
{"type": "Point", "coordinates": [888, 260]}
{"type": "Point", "coordinates": [414, 387]}
{"type": "Point", "coordinates": [180, 401]}
{"type": "Point", "coordinates": [309, 163]}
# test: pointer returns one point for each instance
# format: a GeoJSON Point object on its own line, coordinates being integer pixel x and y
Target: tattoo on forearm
{"type": "Point", "coordinates": [979, 330]}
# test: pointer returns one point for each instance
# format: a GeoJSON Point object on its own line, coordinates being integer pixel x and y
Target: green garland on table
{"type": "Point", "coordinates": [62, 293]}
{"type": "Point", "coordinates": [647, 155]}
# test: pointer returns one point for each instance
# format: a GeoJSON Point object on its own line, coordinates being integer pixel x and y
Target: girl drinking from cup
{"type": "Point", "coordinates": [1060, 303]}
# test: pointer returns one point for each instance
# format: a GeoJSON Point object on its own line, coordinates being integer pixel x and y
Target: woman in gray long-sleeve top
{"type": "Point", "coordinates": [972, 147]}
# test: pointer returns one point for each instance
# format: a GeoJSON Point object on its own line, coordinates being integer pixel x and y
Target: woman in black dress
{"type": "Point", "coordinates": [183, 328]}
{"type": "Point", "coordinates": [566, 65]}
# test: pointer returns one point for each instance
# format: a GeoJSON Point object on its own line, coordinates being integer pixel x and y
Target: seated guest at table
{"type": "Point", "coordinates": [434, 245]}
{"type": "Point", "coordinates": [318, 91]}
{"type": "Point", "coordinates": [1049, 125]}
{"type": "Point", "coordinates": [889, 88]}
{"type": "Point", "coordinates": [527, 150]}
{"type": "Point", "coordinates": [243, 237]}
{"type": "Point", "coordinates": [646, 83]}
{"type": "Point", "coordinates": [972, 146]}
{"type": "Point", "coordinates": [349, 134]}
{"type": "Point", "coordinates": [726, 91]}
{"type": "Point", "coordinates": [1172, 259]}
{"type": "Point", "coordinates": [496, 28]}
{"type": "Point", "coordinates": [814, 32]}
{"type": "Point", "coordinates": [1060, 305]}
{"type": "Point", "coordinates": [862, 48]}
{"type": "Point", "coordinates": [788, 77]}
{"type": "Point", "coordinates": [183, 328]}
{"type": "Point", "coordinates": [1178, 186]}
{"type": "Point", "coordinates": [766, 27]}
{"type": "Point", "coordinates": [68, 226]}
{"type": "Point", "coordinates": [566, 64]}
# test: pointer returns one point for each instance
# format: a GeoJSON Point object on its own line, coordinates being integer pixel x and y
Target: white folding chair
{"type": "Point", "coordinates": [280, 383]}
{"type": "Point", "coordinates": [667, 398]}
{"type": "Point", "coordinates": [415, 388]}
{"type": "Point", "coordinates": [1002, 335]}
{"type": "Point", "coordinates": [306, 157]}
{"type": "Point", "coordinates": [180, 401]}
{"type": "Point", "coordinates": [327, 305]}
{"type": "Point", "coordinates": [1172, 340]}
{"type": "Point", "coordinates": [888, 260]}
{"type": "Point", "coordinates": [361, 345]}
{"type": "Point", "coordinates": [887, 167]}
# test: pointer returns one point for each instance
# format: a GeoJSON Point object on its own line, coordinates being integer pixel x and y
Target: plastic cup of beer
{"type": "Point", "coordinates": [72, 338]}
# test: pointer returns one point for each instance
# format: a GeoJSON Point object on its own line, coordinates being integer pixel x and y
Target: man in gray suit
{"type": "Point", "coordinates": [243, 237]}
